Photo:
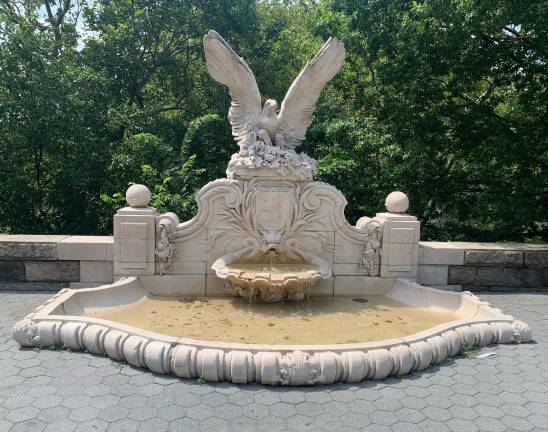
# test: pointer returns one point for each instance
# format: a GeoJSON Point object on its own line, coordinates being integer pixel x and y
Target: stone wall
{"type": "Point", "coordinates": [483, 266]}
{"type": "Point", "coordinates": [51, 262]}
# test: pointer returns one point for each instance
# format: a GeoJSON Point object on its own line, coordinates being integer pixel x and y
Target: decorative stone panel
{"type": "Point", "coordinates": [231, 213]}
{"type": "Point", "coordinates": [400, 245]}
{"type": "Point", "coordinates": [134, 241]}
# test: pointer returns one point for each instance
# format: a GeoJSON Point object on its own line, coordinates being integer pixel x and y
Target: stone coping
{"type": "Point", "coordinates": [99, 248]}
{"type": "Point", "coordinates": [484, 245]}
{"type": "Point", "coordinates": [31, 238]}
{"type": "Point", "coordinates": [460, 253]}
{"type": "Point", "coordinates": [85, 239]}
{"type": "Point", "coordinates": [56, 247]}
{"type": "Point", "coordinates": [48, 326]}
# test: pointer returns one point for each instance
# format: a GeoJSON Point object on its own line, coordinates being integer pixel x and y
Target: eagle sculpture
{"type": "Point", "coordinates": [286, 129]}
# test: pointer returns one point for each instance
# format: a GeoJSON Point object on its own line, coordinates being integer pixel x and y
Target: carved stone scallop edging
{"type": "Point", "coordinates": [267, 367]}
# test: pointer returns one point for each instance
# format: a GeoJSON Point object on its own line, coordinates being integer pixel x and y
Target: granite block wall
{"type": "Point", "coordinates": [41, 262]}
{"type": "Point", "coordinates": [484, 266]}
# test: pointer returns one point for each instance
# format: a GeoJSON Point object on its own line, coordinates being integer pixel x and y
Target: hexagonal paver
{"type": "Point", "coordinates": [171, 412]}
{"type": "Point", "coordinates": [256, 411]}
{"type": "Point", "coordinates": [199, 412]}
{"type": "Point", "coordinates": [18, 415]}
{"type": "Point", "coordinates": [184, 425]}
{"type": "Point", "coordinates": [301, 423]}
{"type": "Point", "coordinates": [230, 411]}
{"type": "Point", "coordinates": [83, 414]}
{"type": "Point", "coordinates": [123, 425]}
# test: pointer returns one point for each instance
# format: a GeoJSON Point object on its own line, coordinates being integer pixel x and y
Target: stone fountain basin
{"type": "Point", "coordinates": [257, 282]}
{"type": "Point", "coordinates": [60, 322]}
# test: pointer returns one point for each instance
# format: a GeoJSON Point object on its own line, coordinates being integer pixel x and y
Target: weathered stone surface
{"type": "Point", "coordinates": [52, 271]}
{"type": "Point", "coordinates": [31, 238]}
{"type": "Point", "coordinates": [508, 289]}
{"type": "Point", "coordinates": [508, 277]}
{"type": "Point", "coordinates": [493, 257]}
{"type": "Point", "coordinates": [432, 275]}
{"type": "Point", "coordinates": [486, 276]}
{"type": "Point", "coordinates": [454, 288]}
{"type": "Point", "coordinates": [88, 248]}
{"type": "Point", "coordinates": [26, 250]}
{"type": "Point", "coordinates": [12, 271]}
{"type": "Point", "coordinates": [440, 253]}
{"type": "Point", "coordinates": [32, 286]}
{"type": "Point", "coordinates": [536, 258]}
{"type": "Point", "coordinates": [461, 275]}
{"type": "Point", "coordinates": [96, 271]}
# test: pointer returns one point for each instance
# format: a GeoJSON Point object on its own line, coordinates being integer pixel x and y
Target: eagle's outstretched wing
{"type": "Point", "coordinates": [300, 101]}
{"type": "Point", "coordinates": [226, 67]}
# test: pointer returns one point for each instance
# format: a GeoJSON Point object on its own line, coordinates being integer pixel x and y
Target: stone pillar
{"type": "Point", "coordinates": [401, 234]}
{"type": "Point", "coordinates": [135, 234]}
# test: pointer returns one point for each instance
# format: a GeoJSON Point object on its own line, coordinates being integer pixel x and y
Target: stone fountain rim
{"type": "Point", "coordinates": [224, 271]}
{"type": "Point", "coordinates": [161, 353]}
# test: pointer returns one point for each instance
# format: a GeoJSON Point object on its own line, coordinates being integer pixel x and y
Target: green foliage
{"type": "Point", "coordinates": [445, 100]}
{"type": "Point", "coordinates": [469, 351]}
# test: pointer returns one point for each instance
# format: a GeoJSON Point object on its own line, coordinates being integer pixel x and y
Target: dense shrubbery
{"type": "Point", "coordinates": [445, 100]}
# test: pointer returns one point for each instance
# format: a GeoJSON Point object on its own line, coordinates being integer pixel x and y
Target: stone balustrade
{"type": "Point", "coordinates": [56, 261]}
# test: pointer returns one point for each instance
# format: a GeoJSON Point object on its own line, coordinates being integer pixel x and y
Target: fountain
{"type": "Point", "coordinates": [268, 282]}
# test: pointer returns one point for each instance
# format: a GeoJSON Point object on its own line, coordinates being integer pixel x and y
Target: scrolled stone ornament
{"type": "Point", "coordinates": [25, 332]}
{"type": "Point", "coordinates": [522, 332]}
{"type": "Point", "coordinates": [165, 250]}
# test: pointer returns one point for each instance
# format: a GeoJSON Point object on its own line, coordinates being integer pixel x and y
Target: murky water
{"type": "Point", "coordinates": [324, 320]}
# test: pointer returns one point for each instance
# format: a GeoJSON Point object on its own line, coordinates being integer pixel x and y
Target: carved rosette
{"type": "Point", "coordinates": [267, 367]}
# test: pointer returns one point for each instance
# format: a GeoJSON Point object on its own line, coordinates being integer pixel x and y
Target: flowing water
{"type": "Point", "coordinates": [272, 268]}
{"type": "Point", "coordinates": [323, 320]}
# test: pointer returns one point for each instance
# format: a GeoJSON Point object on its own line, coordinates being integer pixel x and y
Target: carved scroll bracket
{"type": "Point", "coordinates": [370, 259]}
{"type": "Point", "coordinates": [165, 250]}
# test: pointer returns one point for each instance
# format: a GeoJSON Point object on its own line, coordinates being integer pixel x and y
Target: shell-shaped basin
{"type": "Point", "coordinates": [271, 282]}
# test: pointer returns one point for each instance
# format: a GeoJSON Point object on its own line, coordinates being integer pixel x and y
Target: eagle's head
{"type": "Point", "coordinates": [270, 107]}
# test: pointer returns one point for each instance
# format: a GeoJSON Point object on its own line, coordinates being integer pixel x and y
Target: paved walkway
{"type": "Point", "coordinates": [65, 391]}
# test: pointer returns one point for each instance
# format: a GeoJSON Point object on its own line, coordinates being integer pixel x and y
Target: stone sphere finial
{"type": "Point", "coordinates": [138, 195]}
{"type": "Point", "coordinates": [397, 202]}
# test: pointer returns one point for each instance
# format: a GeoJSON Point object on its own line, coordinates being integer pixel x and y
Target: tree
{"type": "Point", "coordinates": [455, 91]}
{"type": "Point", "coordinates": [445, 100]}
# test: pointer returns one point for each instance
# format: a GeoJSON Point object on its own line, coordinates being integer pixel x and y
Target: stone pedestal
{"type": "Point", "coordinates": [400, 246]}
{"type": "Point", "coordinates": [134, 240]}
